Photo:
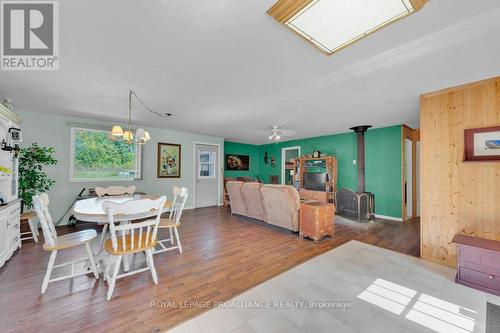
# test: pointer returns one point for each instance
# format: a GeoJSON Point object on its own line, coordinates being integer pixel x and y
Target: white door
{"type": "Point", "coordinates": [206, 182]}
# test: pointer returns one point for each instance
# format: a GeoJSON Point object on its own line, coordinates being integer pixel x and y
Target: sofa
{"type": "Point", "coordinates": [274, 204]}
{"type": "Point", "coordinates": [233, 189]}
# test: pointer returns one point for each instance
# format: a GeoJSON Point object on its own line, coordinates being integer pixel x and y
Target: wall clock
{"type": "Point", "coordinates": [316, 154]}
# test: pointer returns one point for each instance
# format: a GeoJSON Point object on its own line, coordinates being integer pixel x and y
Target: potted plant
{"type": "Point", "coordinates": [32, 178]}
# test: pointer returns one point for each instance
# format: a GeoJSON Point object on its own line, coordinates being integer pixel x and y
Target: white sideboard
{"type": "Point", "coordinates": [10, 232]}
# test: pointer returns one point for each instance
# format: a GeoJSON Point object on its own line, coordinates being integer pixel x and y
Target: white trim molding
{"type": "Point", "coordinates": [72, 179]}
{"type": "Point", "coordinates": [283, 162]}
{"type": "Point", "coordinates": [220, 175]}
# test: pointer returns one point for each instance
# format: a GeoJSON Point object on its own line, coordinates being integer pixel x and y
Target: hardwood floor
{"type": "Point", "coordinates": [223, 256]}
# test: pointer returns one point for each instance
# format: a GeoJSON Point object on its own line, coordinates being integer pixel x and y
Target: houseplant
{"type": "Point", "coordinates": [32, 178]}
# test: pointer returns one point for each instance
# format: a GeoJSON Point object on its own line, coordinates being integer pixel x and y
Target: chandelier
{"type": "Point", "coordinates": [141, 136]}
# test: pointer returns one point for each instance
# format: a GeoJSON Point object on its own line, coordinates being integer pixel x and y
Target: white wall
{"type": "Point", "coordinates": [53, 131]}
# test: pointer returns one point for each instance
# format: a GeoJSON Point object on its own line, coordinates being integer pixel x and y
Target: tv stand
{"type": "Point", "coordinates": [321, 196]}
{"type": "Point", "coordinates": [304, 164]}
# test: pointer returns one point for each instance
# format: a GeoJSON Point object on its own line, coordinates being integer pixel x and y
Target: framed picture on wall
{"type": "Point", "coordinates": [237, 162]}
{"type": "Point", "coordinates": [168, 160]}
{"type": "Point", "coordinates": [482, 144]}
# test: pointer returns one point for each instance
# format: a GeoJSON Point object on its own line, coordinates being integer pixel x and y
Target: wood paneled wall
{"type": "Point", "coordinates": [457, 197]}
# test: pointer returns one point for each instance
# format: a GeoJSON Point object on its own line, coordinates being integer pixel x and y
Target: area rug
{"type": "Point", "coordinates": [492, 318]}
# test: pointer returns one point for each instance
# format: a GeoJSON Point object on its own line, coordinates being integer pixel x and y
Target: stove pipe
{"type": "Point", "coordinates": [360, 130]}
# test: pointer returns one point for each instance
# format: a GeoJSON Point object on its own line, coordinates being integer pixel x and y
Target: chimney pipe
{"type": "Point", "coordinates": [360, 131]}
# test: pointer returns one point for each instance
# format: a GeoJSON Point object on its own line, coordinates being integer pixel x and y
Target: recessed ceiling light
{"type": "Point", "coordinates": [331, 25]}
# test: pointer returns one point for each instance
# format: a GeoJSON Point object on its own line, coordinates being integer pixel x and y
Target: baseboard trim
{"type": "Point", "coordinates": [392, 218]}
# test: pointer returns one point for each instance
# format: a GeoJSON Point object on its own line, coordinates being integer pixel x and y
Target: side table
{"type": "Point", "coordinates": [316, 220]}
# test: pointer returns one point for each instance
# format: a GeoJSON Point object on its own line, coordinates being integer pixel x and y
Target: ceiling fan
{"type": "Point", "coordinates": [278, 133]}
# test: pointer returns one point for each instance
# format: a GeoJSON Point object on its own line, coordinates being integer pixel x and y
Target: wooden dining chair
{"type": "Point", "coordinates": [55, 243]}
{"type": "Point", "coordinates": [132, 238]}
{"type": "Point", "coordinates": [109, 192]}
{"type": "Point", "coordinates": [173, 221]}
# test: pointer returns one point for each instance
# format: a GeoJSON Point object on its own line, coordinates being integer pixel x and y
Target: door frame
{"type": "Point", "coordinates": [219, 173]}
{"type": "Point", "coordinates": [283, 155]}
{"type": "Point", "coordinates": [414, 136]}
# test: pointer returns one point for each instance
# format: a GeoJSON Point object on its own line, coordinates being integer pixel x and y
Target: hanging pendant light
{"type": "Point", "coordinates": [117, 131]}
{"type": "Point", "coordinates": [128, 137]}
{"type": "Point", "coordinates": [141, 135]}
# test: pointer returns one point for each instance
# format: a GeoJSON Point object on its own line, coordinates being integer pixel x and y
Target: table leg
{"type": "Point", "coordinates": [126, 263]}
{"type": "Point", "coordinates": [100, 257]}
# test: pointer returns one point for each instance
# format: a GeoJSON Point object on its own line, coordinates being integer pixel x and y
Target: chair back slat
{"type": "Point", "coordinates": [114, 190]}
{"type": "Point", "coordinates": [138, 209]}
{"type": "Point", "coordinates": [140, 237]}
{"type": "Point", "coordinates": [123, 240]}
{"type": "Point", "coordinates": [148, 232]}
{"type": "Point", "coordinates": [45, 200]}
{"type": "Point", "coordinates": [132, 243]}
{"type": "Point", "coordinates": [180, 197]}
{"type": "Point", "coordinates": [40, 203]}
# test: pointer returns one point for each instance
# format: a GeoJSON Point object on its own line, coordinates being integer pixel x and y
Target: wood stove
{"type": "Point", "coordinates": [360, 204]}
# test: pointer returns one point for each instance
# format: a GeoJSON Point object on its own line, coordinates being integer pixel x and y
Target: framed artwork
{"type": "Point", "coordinates": [482, 144]}
{"type": "Point", "coordinates": [168, 160]}
{"type": "Point", "coordinates": [237, 162]}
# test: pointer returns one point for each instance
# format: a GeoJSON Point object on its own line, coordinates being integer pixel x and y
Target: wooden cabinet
{"type": "Point", "coordinates": [10, 232]}
{"type": "Point", "coordinates": [327, 164]}
{"type": "Point", "coordinates": [316, 220]}
{"type": "Point", "coordinates": [478, 263]}
{"type": "Point", "coordinates": [316, 195]}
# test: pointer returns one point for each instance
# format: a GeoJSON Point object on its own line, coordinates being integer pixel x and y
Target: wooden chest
{"type": "Point", "coordinates": [478, 263]}
{"type": "Point", "coordinates": [316, 220]}
{"type": "Point", "coordinates": [316, 195]}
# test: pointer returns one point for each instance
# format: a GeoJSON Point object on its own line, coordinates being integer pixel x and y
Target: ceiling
{"type": "Point", "coordinates": [226, 68]}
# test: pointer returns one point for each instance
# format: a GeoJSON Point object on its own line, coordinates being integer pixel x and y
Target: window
{"type": "Point", "coordinates": [331, 25]}
{"type": "Point", "coordinates": [207, 164]}
{"type": "Point", "coordinates": [94, 156]}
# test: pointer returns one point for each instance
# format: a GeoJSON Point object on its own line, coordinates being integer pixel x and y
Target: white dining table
{"type": "Point", "coordinates": [90, 210]}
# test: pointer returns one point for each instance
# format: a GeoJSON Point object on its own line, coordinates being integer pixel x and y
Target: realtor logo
{"type": "Point", "coordinates": [29, 35]}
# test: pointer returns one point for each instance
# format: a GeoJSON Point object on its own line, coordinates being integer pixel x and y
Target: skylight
{"type": "Point", "coordinates": [331, 25]}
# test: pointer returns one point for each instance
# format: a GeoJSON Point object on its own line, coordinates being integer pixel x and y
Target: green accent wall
{"type": "Point", "coordinates": [382, 163]}
{"type": "Point", "coordinates": [343, 146]}
{"type": "Point", "coordinates": [383, 175]}
{"type": "Point", "coordinates": [242, 149]}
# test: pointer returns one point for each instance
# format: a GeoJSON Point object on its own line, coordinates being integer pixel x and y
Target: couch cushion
{"type": "Point", "coordinates": [236, 197]}
{"type": "Point", "coordinates": [253, 200]}
{"type": "Point", "coordinates": [282, 204]}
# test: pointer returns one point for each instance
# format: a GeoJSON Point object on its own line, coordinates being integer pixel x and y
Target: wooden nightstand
{"type": "Point", "coordinates": [316, 220]}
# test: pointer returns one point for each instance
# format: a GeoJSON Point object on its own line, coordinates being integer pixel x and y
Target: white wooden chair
{"type": "Point", "coordinates": [112, 191]}
{"type": "Point", "coordinates": [132, 238]}
{"type": "Point", "coordinates": [173, 221]}
{"type": "Point", "coordinates": [33, 233]}
{"type": "Point", "coordinates": [55, 243]}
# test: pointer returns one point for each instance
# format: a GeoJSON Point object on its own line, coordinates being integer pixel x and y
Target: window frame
{"type": "Point", "coordinates": [213, 162]}
{"type": "Point", "coordinates": [72, 179]}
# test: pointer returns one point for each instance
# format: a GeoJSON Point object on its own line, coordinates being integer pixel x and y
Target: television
{"type": "Point", "coordinates": [315, 181]}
